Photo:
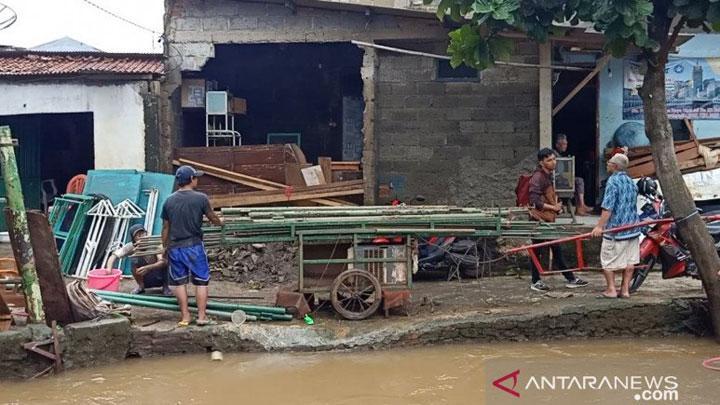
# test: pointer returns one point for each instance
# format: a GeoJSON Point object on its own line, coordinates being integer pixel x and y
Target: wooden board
{"type": "Point", "coordinates": [326, 166]}
{"type": "Point", "coordinates": [47, 263]}
{"type": "Point", "coordinates": [287, 195]}
{"type": "Point", "coordinates": [267, 162]}
{"type": "Point", "coordinates": [249, 181]}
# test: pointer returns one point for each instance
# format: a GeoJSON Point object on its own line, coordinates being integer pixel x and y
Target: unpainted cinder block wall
{"type": "Point", "coordinates": [454, 142]}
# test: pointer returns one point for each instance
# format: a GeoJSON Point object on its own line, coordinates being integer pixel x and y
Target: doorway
{"type": "Point", "coordinates": [578, 120]}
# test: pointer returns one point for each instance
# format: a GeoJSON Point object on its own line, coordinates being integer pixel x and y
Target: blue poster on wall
{"type": "Point", "coordinates": [692, 86]}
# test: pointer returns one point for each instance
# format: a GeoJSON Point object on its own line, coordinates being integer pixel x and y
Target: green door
{"type": "Point", "coordinates": [27, 132]}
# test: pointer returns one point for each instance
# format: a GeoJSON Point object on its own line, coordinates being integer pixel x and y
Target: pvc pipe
{"type": "Point", "coordinates": [211, 304]}
{"type": "Point", "coordinates": [171, 307]}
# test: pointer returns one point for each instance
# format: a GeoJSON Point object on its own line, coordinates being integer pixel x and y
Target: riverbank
{"type": "Point", "coordinates": [497, 309]}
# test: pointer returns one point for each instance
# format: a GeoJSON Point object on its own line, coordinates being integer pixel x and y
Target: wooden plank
{"type": "Point", "coordinates": [345, 166]}
{"type": "Point", "coordinates": [600, 64]}
{"type": "Point", "coordinates": [245, 180]}
{"type": "Point", "coordinates": [545, 95]}
{"type": "Point", "coordinates": [648, 168]}
{"type": "Point", "coordinates": [280, 196]}
{"type": "Point", "coordinates": [293, 175]}
{"type": "Point", "coordinates": [326, 166]}
{"type": "Point", "coordinates": [55, 297]}
{"type": "Point", "coordinates": [690, 128]}
{"type": "Point", "coordinates": [648, 158]}
{"type": "Point", "coordinates": [224, 156]}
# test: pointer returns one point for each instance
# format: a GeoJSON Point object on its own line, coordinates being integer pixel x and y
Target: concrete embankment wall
{"type": "Point", "coordinates": [102, 342]}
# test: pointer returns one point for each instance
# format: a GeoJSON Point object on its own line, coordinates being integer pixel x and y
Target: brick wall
{"type": "Point", "coordinates": [454, 142]}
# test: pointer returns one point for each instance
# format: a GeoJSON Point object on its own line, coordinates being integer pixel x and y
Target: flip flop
{"type": "Point", "coordinates": [603, 296]}
{"type": "Point", "coordinates": [205, 322]}
{"type": "Point", "coordinates": [623, 297]}
{"type": "Point", "coordinates": [183, 324]}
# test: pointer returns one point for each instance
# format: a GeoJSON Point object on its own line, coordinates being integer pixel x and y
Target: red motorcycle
{"type": "Point", "coordinates": [661, 243]}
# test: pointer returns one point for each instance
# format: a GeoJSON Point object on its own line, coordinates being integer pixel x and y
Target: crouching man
{"type": "Point", "coordinates": [149, 271]}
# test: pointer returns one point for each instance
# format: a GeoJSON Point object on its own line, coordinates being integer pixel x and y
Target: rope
{"type": "Point", "coordinates": [708, 364]}
{"type": "Point", "coordinates": [683, 219]}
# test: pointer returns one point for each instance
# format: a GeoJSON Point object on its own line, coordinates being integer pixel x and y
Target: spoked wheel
{"type": "Point", "coordinates": [641, 274]}
{"type": "Point", "coordinates": [356, 294]}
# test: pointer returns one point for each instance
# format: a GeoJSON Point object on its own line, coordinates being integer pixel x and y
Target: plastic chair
{"type": "Point", "coordinates": [48, 194]}
{"type": "Point", "coordinates": [12, 293]}
{"type": "Point", "coordinates": [76, 185]}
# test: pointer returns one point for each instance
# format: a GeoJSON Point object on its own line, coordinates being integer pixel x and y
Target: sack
{"type": "Point", "coordinates": [522, 191]}
{"type": "Point", "coordinates": [85, 304]}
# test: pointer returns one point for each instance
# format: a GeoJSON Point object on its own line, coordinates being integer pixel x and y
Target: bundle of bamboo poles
{"type": "Point", "coordinates": [285, 224]}
{"type": "Point", "coordinates": [222, 310]}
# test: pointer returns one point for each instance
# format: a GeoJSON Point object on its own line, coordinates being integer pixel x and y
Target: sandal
{"type": "Point", "coordinates": [603, 296]}
{"type": "Point", "coordinates": [183, 324]}
{"type": "Point", "coordinates": [205, 322]}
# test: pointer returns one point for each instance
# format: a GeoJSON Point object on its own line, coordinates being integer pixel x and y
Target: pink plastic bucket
{"type": "Point", "coordinates": [100, 279]}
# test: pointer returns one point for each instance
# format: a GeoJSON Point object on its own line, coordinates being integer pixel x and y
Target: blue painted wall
{"type": "Point", "coordinates": [611, 90]}
{"type": "Point", "coordinates": [611, 93]}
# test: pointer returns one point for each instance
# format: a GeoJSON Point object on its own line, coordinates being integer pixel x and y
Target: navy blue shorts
{"type": "Point", "coordinates": [188, 264]}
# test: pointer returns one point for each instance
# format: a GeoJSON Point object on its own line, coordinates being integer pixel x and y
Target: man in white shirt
{"type": "Point", "coordinates": [149, 271]}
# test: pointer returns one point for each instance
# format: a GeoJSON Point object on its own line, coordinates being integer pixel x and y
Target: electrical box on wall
{"type": "Point", "coordinates": [192, 93]}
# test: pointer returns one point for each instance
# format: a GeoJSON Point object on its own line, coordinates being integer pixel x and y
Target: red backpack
{"type": "Point", "coordinates": [522, 190]}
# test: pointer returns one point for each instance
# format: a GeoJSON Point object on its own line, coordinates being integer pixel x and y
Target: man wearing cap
{"type": "Point", "coordinates": [182, 237]}
{"type": "Point", "coordinates": [620, 250]}
{"type": "Point", "coordinates": [149, 271]}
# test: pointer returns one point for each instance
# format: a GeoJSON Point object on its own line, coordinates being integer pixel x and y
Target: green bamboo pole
{"type": "Point", "coordinates": [18, 228]}
{"type": "Point", "coordinates": [171, 307]}
{"type": "Point", "coordinates": [210, 304]}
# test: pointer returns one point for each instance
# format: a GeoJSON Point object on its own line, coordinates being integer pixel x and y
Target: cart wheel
{"type": "Point", "coordinates": [356, 294]}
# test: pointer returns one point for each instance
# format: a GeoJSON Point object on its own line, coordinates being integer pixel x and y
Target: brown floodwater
{"type": "Point", "coordinates": [615, 372]}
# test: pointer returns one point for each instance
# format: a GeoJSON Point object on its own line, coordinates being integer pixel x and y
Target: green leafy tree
{"type": "Point", "coordinates": [649, 26]}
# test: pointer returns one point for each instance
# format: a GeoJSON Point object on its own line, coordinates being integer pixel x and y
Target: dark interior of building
{"type": "Point", "coordinates": [51, 147]}
{"type": "Point", "coordinates": [314, 90]}
{"type": "Point", "coordinates": [578, 121]}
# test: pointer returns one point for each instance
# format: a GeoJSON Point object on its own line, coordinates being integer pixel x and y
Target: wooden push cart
{"type": "Point", "coordinates": [352, 268]}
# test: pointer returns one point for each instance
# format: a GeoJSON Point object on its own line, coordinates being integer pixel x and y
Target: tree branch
{"type": "Point", "coordinates": [665, 48]}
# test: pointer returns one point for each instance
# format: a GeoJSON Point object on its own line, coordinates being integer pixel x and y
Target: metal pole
{"type": "Point", "coordinates": [18, 228]}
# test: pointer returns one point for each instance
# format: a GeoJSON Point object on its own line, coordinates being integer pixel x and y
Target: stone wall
{"type": "Point", "coordinates": [454, 142]}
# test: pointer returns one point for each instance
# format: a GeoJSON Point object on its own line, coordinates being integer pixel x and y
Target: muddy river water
{"type": "Point", "coordinates": [563, 372]}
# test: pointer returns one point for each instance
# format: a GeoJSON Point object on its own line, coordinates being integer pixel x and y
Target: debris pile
{"type": "Point", "coordinates": [257, 265]}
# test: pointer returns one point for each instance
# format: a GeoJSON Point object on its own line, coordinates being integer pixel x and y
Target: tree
{"type": "Point", "coordinates": [651, 27]}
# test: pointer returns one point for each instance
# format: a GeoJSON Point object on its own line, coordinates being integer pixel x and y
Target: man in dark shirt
{"type": "Point", "coordinates": [544, 206]}
{"type": "Point", "coordinates": [561, 147]}
{"type": "Point", "coordinates": [182, 216]}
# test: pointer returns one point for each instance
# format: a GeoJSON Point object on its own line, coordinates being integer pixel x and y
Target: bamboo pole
{"type": "Point", "coordinates": [18, 228]}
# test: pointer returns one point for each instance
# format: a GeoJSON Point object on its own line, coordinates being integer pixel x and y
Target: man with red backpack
{"type": "Point", "coordinates": [544, 206]}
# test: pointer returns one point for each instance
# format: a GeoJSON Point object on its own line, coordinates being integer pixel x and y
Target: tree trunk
{"type": "Point", "coordinates": [693, 230]}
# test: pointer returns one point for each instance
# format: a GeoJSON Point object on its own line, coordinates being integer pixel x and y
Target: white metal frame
{"type": "Point", "coordinates": [125, 211]}
{"type": "Point", "coordinates": [100, 213]}
{"type": "Point", "coordinates": [151, 210]}
{"type": "Point", "coordinates": [220, 126]}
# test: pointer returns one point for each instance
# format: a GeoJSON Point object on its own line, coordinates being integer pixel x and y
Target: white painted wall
{"type": "Point", "coordinates": [118, 115]}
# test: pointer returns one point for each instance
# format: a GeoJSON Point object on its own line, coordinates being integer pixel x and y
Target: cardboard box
{"type": "Point", "coordinates": [192, 93]}
{"type": "Point", "coordinates": [238, 105]}
{"type": "Point", "coordinates": [313, 176]}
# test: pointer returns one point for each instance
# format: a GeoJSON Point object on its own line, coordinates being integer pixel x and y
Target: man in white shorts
{"type": "Point", "coordinates": [620, 250]}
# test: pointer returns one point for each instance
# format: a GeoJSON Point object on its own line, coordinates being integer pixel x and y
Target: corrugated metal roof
{"type": "Point", "coordinates": [28, 63]}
